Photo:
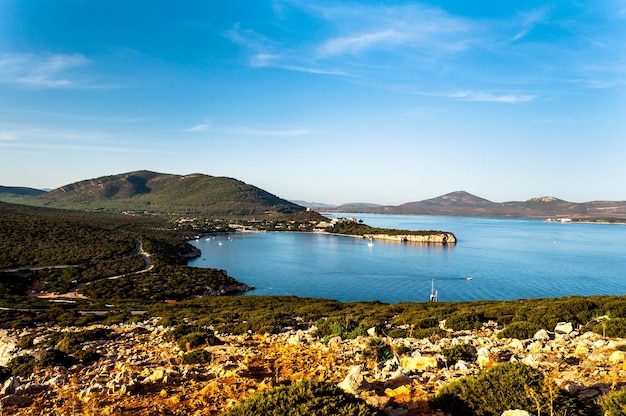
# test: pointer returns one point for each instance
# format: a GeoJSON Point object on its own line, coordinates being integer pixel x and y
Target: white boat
{"type": "Point", "coordinates": [434, 296]}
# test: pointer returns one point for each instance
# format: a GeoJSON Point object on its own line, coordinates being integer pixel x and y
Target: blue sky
{"type": "Point", "coordinates": [372, 101]}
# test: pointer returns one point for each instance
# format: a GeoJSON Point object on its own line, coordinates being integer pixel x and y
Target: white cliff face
{"type": "Point", "coordinates": [435, 238]}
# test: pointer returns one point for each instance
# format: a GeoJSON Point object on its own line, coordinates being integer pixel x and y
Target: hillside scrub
{"type": "Point", "coordinates": [503, 387]}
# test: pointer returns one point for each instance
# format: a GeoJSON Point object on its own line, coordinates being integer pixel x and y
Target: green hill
{"type": "Point", "coordinates": [194, 194]}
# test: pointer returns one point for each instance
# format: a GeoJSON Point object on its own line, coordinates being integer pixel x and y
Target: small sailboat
{"type": "Point", "coordinates": [434, 296]}
{"type": "Point", "coordinates": [370, 243]}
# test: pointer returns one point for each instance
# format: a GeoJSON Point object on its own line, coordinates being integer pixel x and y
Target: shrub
{"type": "Point", "coordinates": [345, 328]}
{"type": "Point", "coordinates": [503, 387]}
{"type": "Point", "coordinates": [197, 357]}
{"type": "Point", "coordinates": [397, 333]}
{"type": "Point", "coordinates": [613, 328]}
{"type": "Point", "coordinates": [70, 342]}
{"type": "Point", "coordinates": [383, 351]}
{"type": "Point", "coordinates": [194, 340]}
{"type": "Point", "coordinates": [53, 357]}
{"type": "Point", "coordinates": [22, 366]}
{"type": "Point", "coordinates": [614, 403]}
{"type": "Point", "coordinates": [465, 352]}
{"type": "Point", "coordinates": [461, 321]}
{"type": "Point", "coordinates": [303, 398]}
{"type": "Point", "coordinates": [431, 322]}
{"type": "Point", "coordinates": [430, 332]}
{"type": "Point", "coordinates": [519, 330]}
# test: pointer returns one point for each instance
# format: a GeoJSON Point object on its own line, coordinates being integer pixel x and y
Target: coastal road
{"type": "Point", "coordinates": [73, 293]}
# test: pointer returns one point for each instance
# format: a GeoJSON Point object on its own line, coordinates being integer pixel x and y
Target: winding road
{"type": "Point", "coordinates": [73, 293]}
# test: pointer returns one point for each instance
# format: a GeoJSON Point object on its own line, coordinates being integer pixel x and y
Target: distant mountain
{"type": "Point", "coordinates": [463, 203]}
{"type": "Point", "coordinates": [167, 193]}
{"type": "Point", "coordinates": [18, 191]}
{"type": "Point", "coordinates": [316, 206]}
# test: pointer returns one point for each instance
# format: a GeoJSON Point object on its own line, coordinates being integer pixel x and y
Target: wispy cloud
{"type": "Point", "coordinates": [270, 132]}
{"type": "Point", "coordinates": [527, 21]}
{"type": "Point", "coordinates": [480, 96]}
{"type": "Point", "coordinates": [7, 135]}
{"type": "Point", "coordinates": [419, 28]}
{"type": "Point", "coordinates": [42, 71]}
{"type": "Point", "coordinates": [197, 128]}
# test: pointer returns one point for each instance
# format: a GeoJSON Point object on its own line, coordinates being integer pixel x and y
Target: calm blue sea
{"type": "Point", "coordinates": [505, 258]}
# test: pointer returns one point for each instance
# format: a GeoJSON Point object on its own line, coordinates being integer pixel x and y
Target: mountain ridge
{"type": "Point", "coordinates": [462, 203]}
{"type": "Point", "coordinates": [155, 192]}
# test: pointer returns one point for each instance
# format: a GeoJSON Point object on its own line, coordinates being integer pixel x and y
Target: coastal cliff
{"type": "Point", "coordinates": [435, 238]}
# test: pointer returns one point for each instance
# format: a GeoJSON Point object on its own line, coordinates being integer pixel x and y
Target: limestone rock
{"type": "Point", "coordinates": [516, 412]}
{"type": "Point", "coordinates": [354, 382]}
{"type": "Point", "coordinates": [542, 335]}
{"type": "Point", "coordinates": [617, 357]}
{"type": "Point", "coordinates": [418, 363]}
{"type": "Point", "coordinates": [563, 328]}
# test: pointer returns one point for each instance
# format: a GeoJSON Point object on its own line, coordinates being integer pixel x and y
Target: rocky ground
{"type": "Point", "coordinates": [141, 373]}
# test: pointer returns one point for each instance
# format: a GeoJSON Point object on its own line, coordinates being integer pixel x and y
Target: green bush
{"type": "Point", "coordinates": [345, 328]}
{"type": "Point", "coordinates": [465, 352]}
{"type": "Point", "coordinates": [197, 357]}
{"type": "Point", "coordinates": [397, 333]}
{"type": "Point", "coordinates": [303, 398]}
{"type": "Point", "coordinates": [503, 387]}
{"type": "Point", "coordinates": [54, 357]}
{"type": "Point", "coordinates": [461, 321]}
{"type": "Point", "coordinates": [614, 403]}
{"type": "Point", "coordinates": [430, 332]}
{"type": "Point", "coordinates": [194, 340]}
{"type": "Point", "coordinates": [431, 322]}
{"type": "Point", "coordinates": [70, 342]}
{"type": "Point", "coordinates": [519, 330]}
{"type": "Point", "coordinates": [382, 351]}
{"type": "Point", "coordinates": [613, 328]}
{"type": "Point", "coordinates": [22, 366]}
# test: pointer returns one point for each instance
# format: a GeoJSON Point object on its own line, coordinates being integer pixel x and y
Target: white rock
{"type": "Point", "coordinates": [563, 328]}
{"type": "Point", "coordinates": [516, 412]}
{"type": "Point", "coordinates": [542, 335]}
{"type": "Point", "coordinates": [354, 381]}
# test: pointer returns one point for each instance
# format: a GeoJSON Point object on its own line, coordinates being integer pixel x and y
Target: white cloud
{"type": "Point", "coordinates": [42, 71]}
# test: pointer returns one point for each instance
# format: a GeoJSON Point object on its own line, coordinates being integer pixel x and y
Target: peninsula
{"type": "Point", "coordinates": [351, 227]}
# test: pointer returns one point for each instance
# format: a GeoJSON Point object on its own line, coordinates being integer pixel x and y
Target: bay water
{"type": "Point", "coordinates": [494, 259]}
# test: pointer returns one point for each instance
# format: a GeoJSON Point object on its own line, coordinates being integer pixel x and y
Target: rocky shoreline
{"type": "Point", "coordinates": [140, 371]}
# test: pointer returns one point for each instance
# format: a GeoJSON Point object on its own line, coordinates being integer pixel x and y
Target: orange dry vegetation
{"type": "Point", "coordinates": [240, 368]}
